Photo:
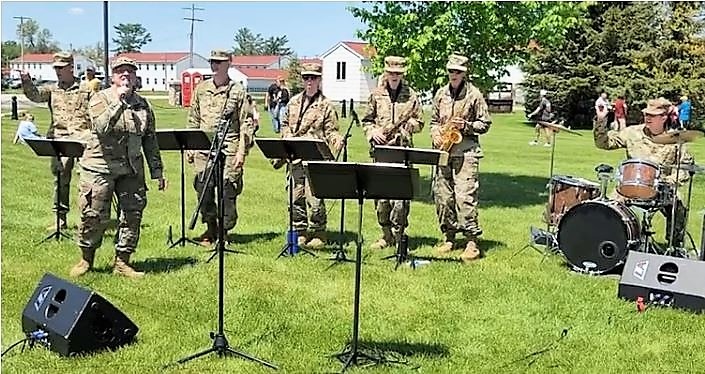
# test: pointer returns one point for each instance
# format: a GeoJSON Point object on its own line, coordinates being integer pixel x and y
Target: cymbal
{"type": "Point", "coordinates": [696, 169]}
{"type": "Point", "coordinates": [677, 136]}
{"type": "Point", "coordinates": [558, 127]}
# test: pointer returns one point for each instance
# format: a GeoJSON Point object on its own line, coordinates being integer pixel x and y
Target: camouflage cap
{"type": "Point", "coordinates": [657, 106]}
{"type": "Point", "coordinates": [457, 62]}
{"type": "Point", "coordinates": [122, 60]}
{"type": "Point", "coordinates": [90, 68]}
{"type": "Point", "coordinates": [219, 55]}
{"type": "Point", "coordinates": [62, 59]}
{"type": "Point", "coordinates": [312, 68]}
{"type": "Point", "coordinates": [395, 64]}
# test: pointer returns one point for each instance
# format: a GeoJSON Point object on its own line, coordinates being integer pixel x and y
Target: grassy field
{"type": "Point", "coordinates": [446, 317]}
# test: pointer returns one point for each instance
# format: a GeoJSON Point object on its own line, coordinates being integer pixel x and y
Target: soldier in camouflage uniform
{"type": "Point", "coordinates": [214, 98]}
{"type": "Point", "coordinates": [639, 145]}
{"type": "Point", "coordinates": [393, 115]}
{"type": "Point", "coordinates": [455, 187]}
{"type": "Point", "coordinates": [310, 115]}
{"type": "Point", "coordinates": [122, 137]}
{"type": "Point", "coordinates": [68, 105]}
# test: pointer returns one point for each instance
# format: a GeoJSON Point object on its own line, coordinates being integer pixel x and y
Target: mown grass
{"type": "Point", "coordinates": [444, 317]}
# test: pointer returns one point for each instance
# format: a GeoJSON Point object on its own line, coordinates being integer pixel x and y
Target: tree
{"type": "Point", "coordinates": [131, 37]}
{"type": "Point", "coordinates": [294, 80]}
{"type": "Point", "coordinates": [276, 46]}
{"type": "Point", "coordinates": [638, 50]}
{"type": "Point", "coordinates": [95, 53]}
{"type": "Point", "coordinates": [10, 50]}
{"type": "Point", "coordinates": [491, 34]}
{"type": "Point", "coordinates": [247, 43]}
{"type": "Point", "coordinates": [36, 40]}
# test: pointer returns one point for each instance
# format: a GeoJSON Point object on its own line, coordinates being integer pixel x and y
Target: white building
{"type": "Point", "coordinates": [157, 69]}
{"type": "Point", "coordinates": [345, 72]}
{"type": "Point", "coordinates": [39, 65]}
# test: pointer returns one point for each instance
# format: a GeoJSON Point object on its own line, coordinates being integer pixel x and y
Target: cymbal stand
{"type": "Point", "coordinates": [671, 235]}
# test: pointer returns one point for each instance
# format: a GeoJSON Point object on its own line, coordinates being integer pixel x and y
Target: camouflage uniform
{"type": "Point", "coordinates": [398, 114]}
{"type": "Point", "coordinates": [122, 138]}
{"type": "Point", "coordinates": [69, 120]}
{"type": "Point", "coordinates": [456, 185]}
{"type": "Point", "coordinates": [639, 145]}
{"type": "Point", "coordinates": [208, 106]}
{"type": "Point", "coordinates": [312, 118]}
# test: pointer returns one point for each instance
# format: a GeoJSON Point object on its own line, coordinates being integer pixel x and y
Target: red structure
{"type": "Point", "coordinates": [190, 78]}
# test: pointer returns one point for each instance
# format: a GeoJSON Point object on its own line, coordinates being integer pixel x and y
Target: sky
{"type": "Point", "coordinates": [311, 27]}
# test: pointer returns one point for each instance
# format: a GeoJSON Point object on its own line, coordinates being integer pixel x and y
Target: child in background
{"type": "Point", "coordinates": [26, 129]}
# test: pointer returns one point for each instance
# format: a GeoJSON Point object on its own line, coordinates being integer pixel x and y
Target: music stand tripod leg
{"type": "Point", "coordinates": [291, 247]}
{"type": "Point", "coordinates": [57, 234]}
{"type": "Point", "coordinates": [183, 239]}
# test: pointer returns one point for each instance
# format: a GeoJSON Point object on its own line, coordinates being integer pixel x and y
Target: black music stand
{"type": "Point", "coordinates": [293, 150]}
{"type": "Point", "coordinates": [181, 140]}
{"type": "Point", "coordinates": [407, 156]}
{"type": "Point", "coordinates": [57, 148]}
{"type": "Point", "coordinates": [340, 255]}
{"type": "Point", "coordinates": [344, 180]}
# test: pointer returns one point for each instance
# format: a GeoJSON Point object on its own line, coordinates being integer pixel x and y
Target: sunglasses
{"type": "Point", "coordinates": [309, 77]}
{"type": "Point", "coordinates": [124, 69]}
{"type": "Point", "coordinates": [454, 71]}
{"type": "Point", "coordinates": [394, 73]}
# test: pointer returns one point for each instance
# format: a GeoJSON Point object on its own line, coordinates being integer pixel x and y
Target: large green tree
{"type": "Point", "coordinates": [294, 81]}
{"type": "Point", "coordinates": [276, 46]}
{"type": "Point", "coordinates": [131, 37]}
{"type": "Point", "coordinates": [94, 52]}
{"type": "Point", "coordinates": [638, 50]}
{"type": "Point", "coordinates": [247, 43]}
{"type": "Point", "coordinates": [492, 35]}
{"type": "Point", "coordinates": [10, 50]}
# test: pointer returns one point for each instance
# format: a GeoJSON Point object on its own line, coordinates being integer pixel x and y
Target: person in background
{"type": "Point", "coordinates": [545, 114]}
{"type": "Point", "coordinates": [684, 109]}
{"type": "Point", "coordinates": [620, 113]}
{"type": "Point", "coordinates": [91, 82]}
{"type": "Point", "coordinates": [26, 129]}
{"type": "Point", "coordinates": [271, 102]}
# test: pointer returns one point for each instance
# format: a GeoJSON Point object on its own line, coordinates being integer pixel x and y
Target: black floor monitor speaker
{"type": "Point", "coordinates": [663, 280]}
{"type": "Point", "coordinates": [76, 320]}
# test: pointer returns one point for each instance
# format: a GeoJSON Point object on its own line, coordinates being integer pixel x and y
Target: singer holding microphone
{"type": "Point", "coordinates": [122, 136]}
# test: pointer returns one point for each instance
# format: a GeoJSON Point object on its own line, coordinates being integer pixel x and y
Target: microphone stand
{"type": "Point", "coordinates": [340, 256]}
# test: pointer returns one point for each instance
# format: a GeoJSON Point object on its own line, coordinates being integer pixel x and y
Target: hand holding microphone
{"type": "Point", "coordinates": [123, 89]}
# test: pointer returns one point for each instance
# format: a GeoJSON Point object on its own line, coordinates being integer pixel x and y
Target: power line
{"type": "Point", "coordinates": [22, 18]}
{"type": "Point", "coordinates": [193, 10]}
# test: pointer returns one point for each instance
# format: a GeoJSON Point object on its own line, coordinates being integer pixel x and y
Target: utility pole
{"type": "Point", "coordinates": [106, 63]}
{"type": "Point", "coordinates": [193, 10]}
{"type": "Point", "coordinates": [22, 18]}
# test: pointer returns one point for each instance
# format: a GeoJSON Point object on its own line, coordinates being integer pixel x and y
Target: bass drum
{"type": "Point", "coordinates": [595, 236]}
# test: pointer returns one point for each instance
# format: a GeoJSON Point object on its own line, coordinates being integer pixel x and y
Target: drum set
{"type": "Point", "coordinates": [595, 231]}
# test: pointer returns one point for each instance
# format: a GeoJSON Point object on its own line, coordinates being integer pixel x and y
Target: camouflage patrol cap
{"type": "Point", "coordinates": [220, 55]}
{"type": "Point", "coordinates": [657, 106]}
{"type": "Point", "coordinates": [312, 68]}
{"type": "Point", "coordinates": [457, 62]}
{"type": "Point", "coordinates": [62, 59]}
{"type": "Point", "coordinates": [395, 64]}
{"type": "Point", "coordinates": [123, 60]}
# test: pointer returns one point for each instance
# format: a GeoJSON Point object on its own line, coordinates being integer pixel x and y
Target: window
{"type": "Point", "coordinates": [155, 66]}
{"type": "Point", "coordinates": [139, 66]}
{"type": "Point", "coordinates": [78, 67]}
{"type": "Point", "coordinates": [147, 81]}
{"type": "Point", "coordinates": [163, 80]}
{"type": "Point", "coordinates": [172, 66]}
{"type": "Point", "coordinates": [340, 71]}
{"type": "Point", "coordinates": [164, 67]}
{"type": "Point", "coordinates": [146, 66]}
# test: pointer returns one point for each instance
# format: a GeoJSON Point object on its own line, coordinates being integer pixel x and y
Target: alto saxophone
{"type": "Point", "coordinates": [450, 136]}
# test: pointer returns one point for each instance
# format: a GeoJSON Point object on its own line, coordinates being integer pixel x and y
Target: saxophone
{"type": "Point", "coordinates": [450, 136]}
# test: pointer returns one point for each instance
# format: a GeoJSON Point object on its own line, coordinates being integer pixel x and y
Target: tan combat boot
{"type": "Point", "coordinates": [208, 237]}
{"type": "Point", "coordinates": [302, 238]}
{"type": "Point", "coordinates": [122, 266]}
{"type": "Point", "coordinates": [387, 239]}
{"type": "Point", "coordinates": [448, 245]}
{"type": "Point", "coordinates": [86, 263]}
{"type": "Point", "coordinates": [471, 251]}
{"type": "Point", "coordinates": [318, 241]}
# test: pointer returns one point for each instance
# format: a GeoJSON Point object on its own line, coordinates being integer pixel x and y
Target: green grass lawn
{"type": "Point", "coordinates": [445, 317]}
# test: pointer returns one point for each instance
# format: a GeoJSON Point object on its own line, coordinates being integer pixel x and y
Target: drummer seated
{"type": "Point", "coordinates": [646, 142]}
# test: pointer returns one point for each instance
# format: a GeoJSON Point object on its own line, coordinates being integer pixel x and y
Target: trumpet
{"type": "Point", "coordinates": [450, 136]}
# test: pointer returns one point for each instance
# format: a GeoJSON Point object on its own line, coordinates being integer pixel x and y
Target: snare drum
{"type": "Point", "coordinates": [566, 192]}
{"type": "Point", "coordinates": [595, 236]}
{"type": "Point", "coordinates": [638, 179]}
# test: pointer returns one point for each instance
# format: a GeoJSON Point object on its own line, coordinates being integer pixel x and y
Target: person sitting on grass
{"type": "Point", "coordinates": [26, 129]}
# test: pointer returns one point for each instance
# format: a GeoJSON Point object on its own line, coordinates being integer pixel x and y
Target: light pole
{"type": "Point", "coordinates": [22, 18]}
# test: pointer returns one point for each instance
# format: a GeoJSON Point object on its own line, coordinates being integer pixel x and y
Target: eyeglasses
{"type": "Point", "coordinates": [124, 69]}
{"type": "Point", "coordinates": [394, 73]}
{"type": "Point", "coordinates": [454, 71]}
{"type": "Point", "coordinates": [217, 62]}
{"type": "Point", "coordinates": [309, 77]}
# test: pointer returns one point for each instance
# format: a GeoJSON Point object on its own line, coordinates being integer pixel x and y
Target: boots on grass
{"type": "Point", "coordinates": [471, 252]}
{"type": "Point", "coordinates": [209, 236]}
{"type": "Point", "coordinates": [387, 239]}
{"type": "Point", "coordinates": [318, 240]}
{"type": "Point", "coordinates": [122, 266]}
{"type": "Point", "coordinates": [448, 245]}
{"type": "Point", "coordinates": [85, 265]}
